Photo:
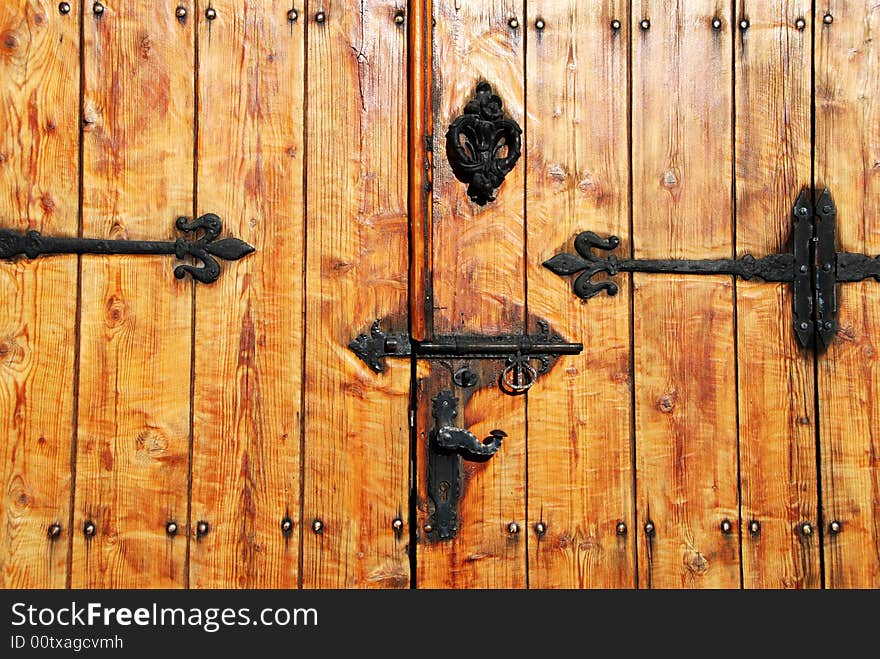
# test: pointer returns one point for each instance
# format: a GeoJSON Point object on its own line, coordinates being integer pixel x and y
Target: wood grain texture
{"type": "Point", "coordinates": [778, 480]}
{"type": "Point", "coordinates": [479, 287]}
{"type": "Point", "coordinates": [134, 411]}
{"type": "Point", "coordinates": [580, 469]}
{"type": "Point", "coordinates": [248, 340]}
{"type": "Point", "coordinates": [848, 162]}
{"type": "Point", "coordinates": [356, 426]}
{"type": "Point", "coordinates": [39, 138]}
{"type": "Point", "coordinates": [685, 378]}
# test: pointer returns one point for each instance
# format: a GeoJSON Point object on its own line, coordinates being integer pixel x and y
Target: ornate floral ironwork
{"type": "Point", "coordinates": [476, 141]}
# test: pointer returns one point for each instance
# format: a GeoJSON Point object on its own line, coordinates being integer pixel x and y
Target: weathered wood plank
{"type": "Point", "coordinates": [39, 143]}
{"type": "Point", "coordinates": [776, 385]}
{"type": "Point", "coordinates": [356, 426]}
{"type": "Point", "coordinates": [134, 411]}
{"type": "Point", "coordinates": [248, 340]}
{"type": "Point", "coordinates": [479, 287]}
{"type": "Point", "coordinates": [580, 468]}
{"type": "Point", "coordinates": [685, 384]}
{"type": "Point", "coordinates": [848, 162]}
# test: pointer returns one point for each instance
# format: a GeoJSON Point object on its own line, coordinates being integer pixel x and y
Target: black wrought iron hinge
{"type": "Point", "coordinates": [813, 267]}
{"type": "Point", "coordinates": [206, 249]}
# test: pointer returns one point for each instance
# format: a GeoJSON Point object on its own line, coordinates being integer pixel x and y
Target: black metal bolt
{"type": "Point", "coordinates": [835, 527]}
{"type": "Point", "coordinates": [171, 528]}
{"type": "Point", "coordinates": [828, 325]}
{"type": "Point", "coordinates": [744, 24]}
{"type": "Point", "coordinates": [828, 19]}
{"type": "Point", "coordinates": [621, 528]}
{"type": "Point", "coordinates": [202, 529]}
{"type": "Point", "coordinates": [397, 524]}
{"type": "Point", "coordinates": [615, 25]}
{"type": "Point", "coordinates": [806, 529]}
{"type": "Point", "coordinates": [540, 529]}
{"type": "Point", "coordinates": [64, 8]}
{"type": "Point", "coordinates": [805, 325]}
{"type": "Point", "coordinates": [539, 24]}
{"type": "Point", "coordinates": [649, 529]}
{"type": "Point", "coordinates": [210, 13]}
{"type": "Point", "coordinates": [804, 268]}
{"type": "Point", "coordinates": [716, 23]}
{"type": "Point", "coordinates": [726, 526]}
{"type": "Point", "coordinates": [755, 527]}
{"type": "Point", "coordinates": [180, 12]}
{"type": "Point", "coordinates": [318, 526]}
{"type": "Point", "coordinates": [513, 528]}
{"type": "Point", "coordinates": [645, 24]}
{"type": "Point", "coordinates": [89, 529]}
{"type": "Point", "coordinates": [802, 211]}
{"type": "Point", "coordinates": [800, 24]}
{"type": "Point", "coordinates": [826, 267]}
{"type": "Point", "coordinates": [513, 22]}
{"type": "Point", "coordinates": [320, 17]}
{"type": "Point", "coordinates": [287, 526]}
{"type": "Point", "coordinates": [98, 9]}
{"type": "Point", "coordinates": [399, 18]}
{"type": "Point", "coordinates": [826, 209]}
{"type": "Point", "coordinates": [292, 15]}
{"type": "Point", "coordinates": [54, 531]}
{"type": "Point", "coordinates": [428, 528]}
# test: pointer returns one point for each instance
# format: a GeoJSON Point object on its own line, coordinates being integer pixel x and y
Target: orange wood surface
{"type": "Point", "coordinates": [39, 141]}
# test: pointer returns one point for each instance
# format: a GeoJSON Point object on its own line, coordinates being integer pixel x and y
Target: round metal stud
{"type": "Point", "coordinates": [826, 209]}
{"type": "Point", "coordinates": [716, 23]}
{"type": "Point", "coordinates": [210, 13]}
{"type": "Point", "coordinates": [98, 9]}
{"type": "Point", "coordinates": [615, 25]}
{"type": "Point", "coordinates": [827, 267]}
{"type": "Point", "coordinates": [202, 529]}
{"type": "Point", "coordinates": [621, 528]}
{"type": "Point", "coordinates": [835, 527]}
{"type": "Point", "coordinates": [806, 529]}
{"type": "Point", "coordinates": [540, 24]}
{"type": "Point", "coordinates": [513, 22]}
{"type": "Point", "coordinates": [744, 25]}
{"type": "Point", "coordinates": [649, 529]}
{"type": "Point", "coordinates": [726, 526]}
{"type": "Point", "coordinates": [397, 524]}
{"type": "Point", "coordinates": [54, 531]}
{"type": "Point", "coordinates": [64, 8]}
{"type": "Point", "coordinates": [513, 528]}
{"type": "Point", "coordinates": [318, 526]}
{"type": "Point", "coordinates": [645, 24]}
{"type": "Point", "coordinates": [292, 15]}
{"type": "Point", "coordinates": [829, 325]}
{"type": "Point", "coordinates": [540, 529]}
{"type": "Point", "coordinates": [287, 526]}
{"type": "Point", "coordinates": [399, 18]}
{"type": "Point", "coordinates": [428, 528]}
{"type": "Point", "coordinates": [800, 24]}
{"type": "Point", "coordinates": [89, 529]}
{"type": "Point", "coordinates": [805, 325]}
{"type": "Point", "coordinates": [802, 211]}
{"type": "Point", "coordinates": [320, 17]}
{"type": "Point", "coordinates": [180, 12]}
{"type": "Point", "coordinates": [804, 268]}
{"type": "Point", "coordinates": [171, 528]}
{"type": "Point", "coordinates": [755, 527]}
{"type": "Point", "coordinates": [828, 19]}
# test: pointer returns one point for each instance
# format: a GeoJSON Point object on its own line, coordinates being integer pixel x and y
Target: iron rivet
{"type": "Point", "coordinates": [645, 24]}
{"type": "Point", "coordinates": [513, 23]}
{"type": "Point", "coordinates": [397, 524]}
{"type": "Point", "coordinates": [54, 531]}
{"type": "Point", "coordinates": [744, 24]}
{"type": "Point", "coordinates": [399, 18]}
{"type": "Point", "coordinates": [89, 529]}
{"type": "Point", "coordinates": [807, 529]}
{"type": "Point", "coordinates": [292, 15]}
{"type": "Point", "coordinates": [210, 13]}
{"type": "Point", "coordinates": [428, 528]}
{"type": "Point", "coordinates": [802, 211]}
{"type": "Point", "coordinates": [615, 25]}
{"type": "Point", "coordinates": [804, 268]}
{"type": "Point", "coordinates": [716, 23]}
{"type": "Point", "coordinates": [318, 526]}
{"type": "Point", "coordinates": [540, 528]}
{"type": "Point", "coordinates": [828, 19]}
{"type": "Point", "coordinates": [180, 12]}
{"type": "Point", "coordinates": [827, 267]}
{"type": "Point", "coordinates": [202, 529]}
{"type": "Point", "coordinates": [64, 7]}
{"type": "Point", "coordinates": [171, 528]}
{"type": "Point", "coordinates": [287, 526]}
{"type": "Point", "coordinates": [513, 528]}
{"type": "Point", "coordinates": [98, 8]}
{"type": "Point", "coordinates": [826, 208]}
{"type": "Point", "coordinates": [805, 326]}
{"type": "Point", "coordinates": [320, 17]}
{"type": "Point", "coordinates": [726, 526]}
{"type": "Point", "coordinates": [621, 528]}
{"type": "Point", "coordinates": [649, 528]}
{"type": "Point", "coordinates": [835, 527]}
{"type": "Point", "coordinates": [828, 325]}
{"type": "Point", "coordinates": [539, 24]}
{"type": "Point", "coordinates": [754, 527]}
{"type": "Point", "coordinates": [800, 24]}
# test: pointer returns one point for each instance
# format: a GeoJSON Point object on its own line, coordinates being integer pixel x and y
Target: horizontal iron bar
{"type": "Point", "coordinates": [776, 267]}
{"type": "Point", "coordinates": [51, 245]}
{"type": "Point", "coordinates": [474, 347]}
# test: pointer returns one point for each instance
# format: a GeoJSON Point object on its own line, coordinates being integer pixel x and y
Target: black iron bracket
{"type": "Point", "coordinates": [448, 445]}
{"type": "Point", "coordinates": [206, 249]}
{"type": "Point", "coordinates": [813, 267]}
{"type": "Point", "coordinates": [526, 356]}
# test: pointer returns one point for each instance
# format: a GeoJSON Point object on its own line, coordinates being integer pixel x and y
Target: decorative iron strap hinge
{"type": "Point", "coordinates": [814, 267]}
{"type": "Point", "coordinates": [205, 249]}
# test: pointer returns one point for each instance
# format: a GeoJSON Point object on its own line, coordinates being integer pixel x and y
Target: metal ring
{"type": "Point", "coordinates": [514, 370]}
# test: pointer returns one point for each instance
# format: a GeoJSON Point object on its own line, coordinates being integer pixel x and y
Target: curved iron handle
{"type": "Point", "coordinates": [466, 444]}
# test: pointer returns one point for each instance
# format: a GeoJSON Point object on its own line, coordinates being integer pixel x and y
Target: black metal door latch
{"type": "Point", "coordinates": [813, 267]}
{"type": "Point", "coordinates": [205, 249]}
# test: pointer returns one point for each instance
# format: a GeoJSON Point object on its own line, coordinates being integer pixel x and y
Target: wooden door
{"type": "Point", "coordinates": [163, 432]}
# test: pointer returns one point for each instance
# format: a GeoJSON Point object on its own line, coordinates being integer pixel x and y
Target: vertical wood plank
{"type": "Point", "coordinates": [479, 288]}
{"type": "Point", "coordinates": [39, 147]}
{"type": "Point", "coordinates": [776, 384]}
{"type": "Point", "coordinates": [685, 382]}
{"type": "Point", "coordinates": [848, 163]}
{"type": "Point", "coordinates": [356, 426]}
{"type": "Point", "coordinates": [134, 412]}
{"type": "Point", "coordinates": [248, 340]}
{"type": "Point", "coordinates": [580, 468]}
